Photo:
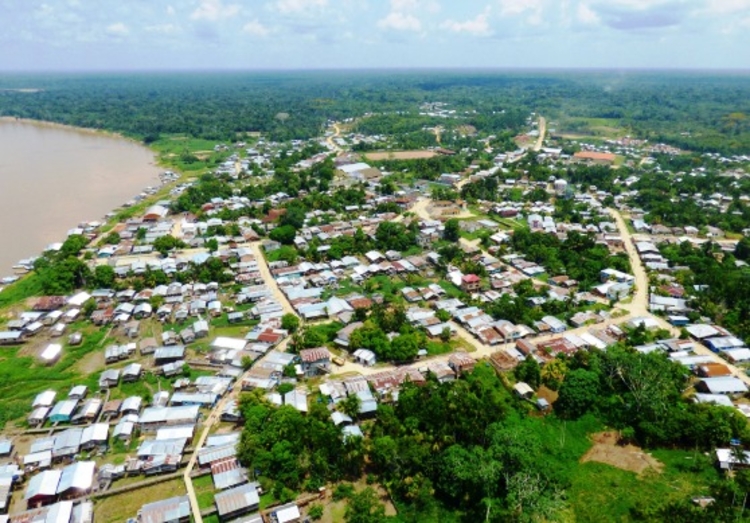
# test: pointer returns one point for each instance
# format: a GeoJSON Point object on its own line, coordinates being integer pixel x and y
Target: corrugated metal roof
{"type": "Point", "coordinates": [166, 510]}
{"type": "Point", "coordinates": [154, 447]}
{"type": "Point", "coordinates": [180, 432]}
{"type": "Point", "coordinates": [97, 432]}
{"type": "Point", "coordinates": [131, 403]}
{"type": "Point", "coordinates": [172, 414]}
{"type": "Point", "coordinates": [68, 439]}
{"type": "Point", "coordinates": [242, 498]}
{"type": "Point", "coordinates": [43, 484]}
{"type": "Point", "coordinates": [228, 473]}
{"type": "Point", "coordinates": [219, 440]}
{"type": "Point", "coordinates": [211, 454]}
{"type": "Point", "coordinates": [78, 476]}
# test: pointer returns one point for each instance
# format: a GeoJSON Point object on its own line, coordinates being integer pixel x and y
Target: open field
{"type": "Point", "coordinates": [582, 128]}
{"type": "Point", "coordinates": [400, 155]}
{"type": "Point", "coordinates": [120, 508]}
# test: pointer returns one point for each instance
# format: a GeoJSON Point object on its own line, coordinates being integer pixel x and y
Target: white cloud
{"type": "Point", "coordinates": [517, 7]}
{"type": "Point", "coordinates": [533, 9]}
{"type": "Point", "coordinates": [255, 28]}
{"type": "Point", "coordinates": [213, 10]}
{"type": "Point", "coordinates": [399, 21]}
{"type": "Point", "coordinates": [290, 7]}
{"type": "Point", "coordinates": [586, 16]}
{"type": "Point", "coordinates": [722, 7]}
{"type": "Point", "coordinates": [409, 6]}
{"type": "Point", "coordinates": [118, 29]}
{"type": "Point", "coordinates": [170, 10]}
{"type": "Point", "coordinates": [478, 26]}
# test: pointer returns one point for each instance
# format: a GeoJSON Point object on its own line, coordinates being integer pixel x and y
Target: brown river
{"type": "Point", "coordinates": [52, 178]}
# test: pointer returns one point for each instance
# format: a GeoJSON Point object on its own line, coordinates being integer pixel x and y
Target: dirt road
{"type": "Point", "coordinates": [542, 127]}
{"type": "Point", "coordinates": [269, 280]}
{"type": "Point", "coordinates": [332, 139]}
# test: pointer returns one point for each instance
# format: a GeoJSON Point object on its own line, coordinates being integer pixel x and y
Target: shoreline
{"type": "Point", "coordinates": [46, 124]}
{"type": "Point", "coordinates": [154, 183]}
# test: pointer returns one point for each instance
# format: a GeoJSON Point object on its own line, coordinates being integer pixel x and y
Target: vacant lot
{"type": "Point", "coordinates": [626, 457]}
{"type": "Point", "coordinates": [124, 506]}
{"type": "Point", "coordinates": [400, 155]}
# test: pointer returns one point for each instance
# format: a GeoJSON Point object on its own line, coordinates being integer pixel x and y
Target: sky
{"type": "Point", "coordinates": [111, 35]}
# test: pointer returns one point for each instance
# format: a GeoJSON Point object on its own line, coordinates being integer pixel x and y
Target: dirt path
{"type": "Point", "coordinates": [269, 280]}
{"type": "Point", "coordinates": [542, 131]}
{"type": "Point", "coordinates": [332, 139]}
{"type": "Point", "coordinates": [437, 130]}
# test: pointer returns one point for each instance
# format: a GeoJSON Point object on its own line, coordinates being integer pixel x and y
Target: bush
{"type": "Point", "coordinates": [343, 491]}
{"type": "Point", "coordinates": [315, 512]}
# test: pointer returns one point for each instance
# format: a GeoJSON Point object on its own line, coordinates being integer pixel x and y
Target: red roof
{"type": "Point", "coordinates": [313, 355]}
{"type": "Point", "coordinates": [470, 278]}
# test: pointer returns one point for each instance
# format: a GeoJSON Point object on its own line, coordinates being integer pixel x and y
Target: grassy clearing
{"type": "Point", "coordinates": [204, 491]}
{"type": "Point", "coordinates": [595, 485]}
{"type": "Point", "coordinates": [28, 286]}
{"type": "Point", "coordinates": [435, 348]}
{"type": "Point", "coordinates": [18, 369]}
{"type": "Point", "coordinates": [124, 506]}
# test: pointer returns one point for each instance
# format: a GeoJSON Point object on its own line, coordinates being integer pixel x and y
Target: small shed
{"type": "Point", "coordinates": [523, 390]}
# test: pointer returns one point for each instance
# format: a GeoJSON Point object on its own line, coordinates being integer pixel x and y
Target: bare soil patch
{"type": "Point", "coordinates": [400, 155]}
{"type": "Point", "coordinates": [548, 394]}
{"type": "Point", "coordinates": [607, 450]}
{"type": "Point", "coordinates": [92, 363]}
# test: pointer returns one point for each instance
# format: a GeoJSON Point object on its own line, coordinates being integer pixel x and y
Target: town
{"type": "Point", "coordinates": [332, 275]}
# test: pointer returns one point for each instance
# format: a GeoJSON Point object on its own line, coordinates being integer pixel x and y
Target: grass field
{"type": "Point", "coordinates": [25, 288]}
{"type": "Point", "coordinates": [120, 508]}
{"type": "Point", "coordinates": [18, 367]}
{"type": "Point", "coordinates": [204, 491]}
{"type": "Point", "coordinates": [591, 127]}
{"type": "Point", "coordinates": [595, 485]}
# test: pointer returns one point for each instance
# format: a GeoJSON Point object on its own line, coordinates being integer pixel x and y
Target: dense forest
{"type": "Point", "coordinates": [691, 110]}
{"type": "Point", "coordinates": [469, 451]}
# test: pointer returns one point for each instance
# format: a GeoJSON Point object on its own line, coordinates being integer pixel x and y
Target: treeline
{"type": "Point", "coordinates": [468, 451]}
{"type": "Point", "coordinates": [699, 112]}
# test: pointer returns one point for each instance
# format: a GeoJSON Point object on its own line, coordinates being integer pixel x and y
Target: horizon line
{"type": "Point", "coordinates": [399, 69]}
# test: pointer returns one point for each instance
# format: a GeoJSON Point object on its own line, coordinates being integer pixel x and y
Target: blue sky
{"type": "Point", "coordinates": [315, 34]}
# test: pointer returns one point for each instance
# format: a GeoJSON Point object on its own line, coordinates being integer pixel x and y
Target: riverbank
{"type": "Point", "coordinates": [54, 177]}
{"type": "Point", "coordinates": [57, 125]}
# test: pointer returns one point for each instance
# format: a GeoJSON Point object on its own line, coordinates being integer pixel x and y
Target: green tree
{"type": "Point", "coordinates": [404, 347]}
{"type": "Point", "coordinates": [452, 230]}
{"type": "Point", "coordinates": [578, 393]}
{"type": "Point", "coordinates": [364, 507]}
{"type": "Point", "coordinates": [742, 250]}
{"type": "Point", "coordinates": [112, 238]}
{"type": "Point", "coordinates": [443, 315]}
{"type": "Point", "coordinates": [528, 370]}
{"type": "Point", "coordinates": [212, 245]}
{"type": "Point", "coordinates": [283, 234]}
{"type": "Point", "coordinates": [166, 243]}
{"type": "Point", "coordinates": [350, 406]}
{"type": "Point", "coordinates": [290, 322]}
{"type": "Point", "coordinates": [104, 276]}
